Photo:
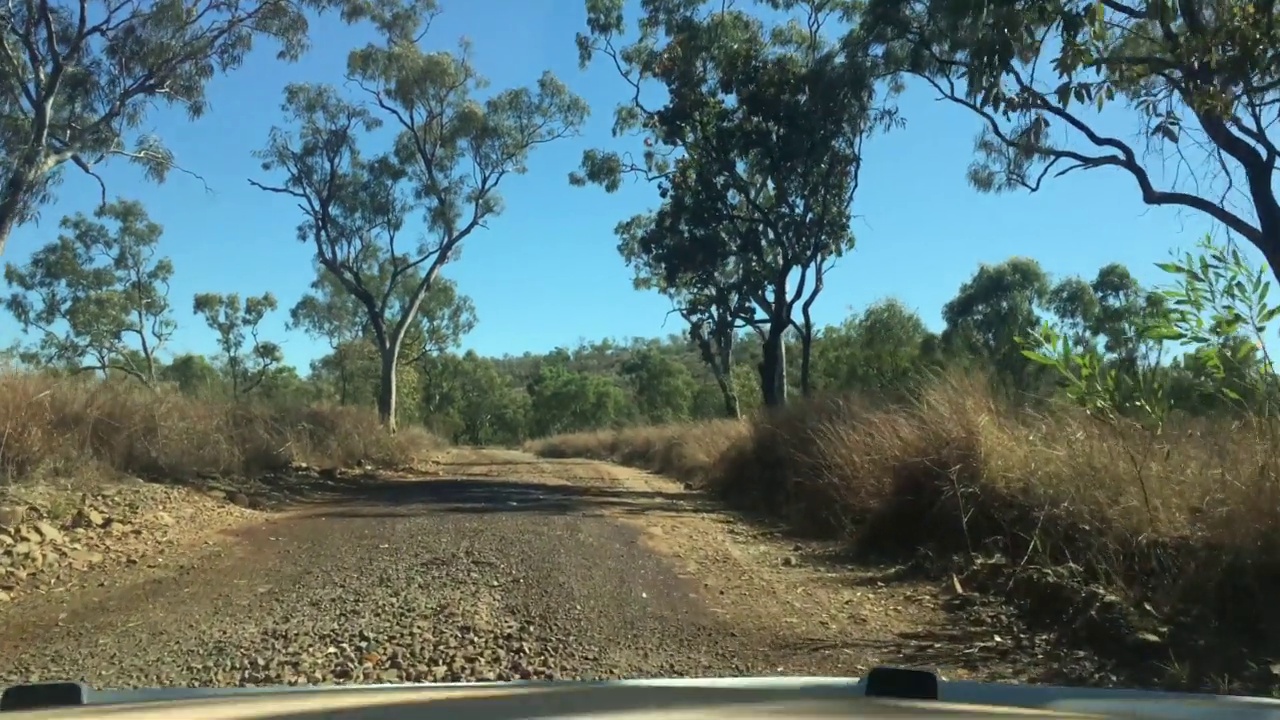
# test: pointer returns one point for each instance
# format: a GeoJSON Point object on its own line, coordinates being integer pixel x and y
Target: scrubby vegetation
{"type": "Point", "coordinates": [75, 428]}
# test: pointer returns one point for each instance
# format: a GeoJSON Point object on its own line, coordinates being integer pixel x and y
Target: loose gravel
{"type": "Point", "coordinates": [383, 594]}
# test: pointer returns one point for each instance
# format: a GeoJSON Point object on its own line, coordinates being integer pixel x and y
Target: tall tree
{"type": "Point", "coordinates": [193, 374]}
{"type": "Point", "coordinates": [1126, 312]}
{"type": "Point", "coordinates": [332, 313]}
{"type": "Point", "coordinates": [472, 400]}
{"type": "Point", "coordinates": [1110, 314]}
{"type": "Point", "coordinates": [563, 400]}
{"type": "Point", "coordinates": [877, 350]}
{"type": "Point", "coordinates": [1202, 77]}
{"type": "Point", "coordinates": [77, 81]}
{"type": "Point", "coordinates": [756, 151]}
{"type": "Point", "coordinates": [994, 309]}
{"type": "Point", "coordinates": [248, 358]}
{"type": "Point", "coordinates": [450, 153]}
{"type": "Point", "coordinates": [98, 297]}
{"type": "Point", "coordinates": [714, 300]}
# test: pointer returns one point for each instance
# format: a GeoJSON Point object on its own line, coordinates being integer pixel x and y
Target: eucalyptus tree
{"type": "Point", "coordinates": [449, 153]}
{"type": "Point", "coordinates": [1200, 79]}
{"type": "Point", "coordinates": [995, 308]}
{"type": "Point", "coordinates": [756, 152]}
{"type": "Point", "coordinates": [97, 297]}
{"type": "Point", "coordinates": [248, 358]}
{"type": "Point", "coordinates": [331, 313]}
{"type": "Point", "coordinates": [78, 81]}
{"type": "Point", "coordinates": [712, 298]}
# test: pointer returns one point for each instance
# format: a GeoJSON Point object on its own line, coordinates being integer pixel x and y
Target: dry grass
{"type": "Point", "coordinates": [685, 451]}
{"type": "Point", "coordinates": [58, 427]}
{"type": "Point", "coordinates": [1185, 522]}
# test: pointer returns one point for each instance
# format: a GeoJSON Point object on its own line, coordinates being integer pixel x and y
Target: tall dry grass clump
{"type": "Point", "coordinates": [685, 451]}
{"type": "Point", "coordinates": [1185, 522]}
{"type": "Point", "coordinates": [957, 471]}
{"type": "Point", "coordinates": [72, 427]}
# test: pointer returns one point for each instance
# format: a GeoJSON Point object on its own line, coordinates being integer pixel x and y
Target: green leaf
{"type": "Point", "coordinates": [1039, 358]}
{"type": "Point", "coordinates": [1064, 94]}
{"type": "Point", "coordinates": [1161, 333]}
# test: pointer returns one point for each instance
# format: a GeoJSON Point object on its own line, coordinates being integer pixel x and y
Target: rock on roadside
{"type": "Point", "coordinates": [49, 536]}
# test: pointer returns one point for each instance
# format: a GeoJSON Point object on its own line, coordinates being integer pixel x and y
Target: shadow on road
{"type": "Point", "coordinates": [401, 498]}
{"type": "Point", "coordinates": [496, 462]}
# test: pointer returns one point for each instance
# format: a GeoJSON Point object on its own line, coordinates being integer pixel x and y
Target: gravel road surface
{"type": "Point", "coordinates": [495, 566]}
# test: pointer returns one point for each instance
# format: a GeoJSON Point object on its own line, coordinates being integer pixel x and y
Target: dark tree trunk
{"type": "Point", "coordinates": [773, 367]}
{"type": "Point", "coordinates": [806, 356]}
{"type": "Point", "coordinates": [387, 389]}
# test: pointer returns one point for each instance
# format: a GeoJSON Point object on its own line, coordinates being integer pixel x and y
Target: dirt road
{"type": "Point", "coordinates": [497, 565]}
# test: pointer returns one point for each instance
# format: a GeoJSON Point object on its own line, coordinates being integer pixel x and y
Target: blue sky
{"type": "Point", "coordinates": [547, 272]}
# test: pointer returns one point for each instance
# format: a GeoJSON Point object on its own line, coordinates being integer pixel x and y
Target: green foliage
{"type": "Point", "coordinates": [1215, 309]}
{"type": "Point", "coordinates": [880, 351]}
{"type": "Point", "coordinates": [472, 400]}
{"type": "Point", "coordinates": [331, 313]}
{"type": "Point", "coordinates": [77, 82]}
{"type": "Point", "coordinates": [247, 358]}
{"type": "Point", "coordinates": [1104, 343]}
{"type": "Point", "coordinates": [661, 386]}
{"type": "Point", "coordinates": [449, 154]}
{"type": "Point", "coordinates": [999, 304]}
{"type": "Point", "coordinates": [1042, 75]}
{"type": "Point", "coordinates": [193, 374]}
{"type": "Point", "coordinates": [1218, 307]}
{"type": "Point", "coordinates": [562, 400]}
{"type": "Point", "coordinates": [755, 153]}
{"type": "Point", "coordinates": [96, 297]}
